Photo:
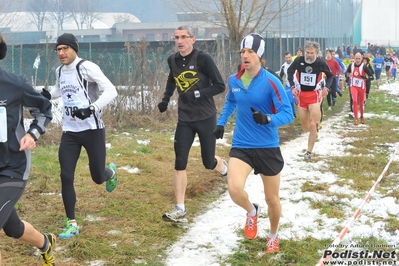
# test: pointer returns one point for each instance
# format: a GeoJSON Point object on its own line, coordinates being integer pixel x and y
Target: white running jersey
{"type": "Point", "coordinates": [78, 94]}
{"type": "Point", "coordinates": [285, 67]}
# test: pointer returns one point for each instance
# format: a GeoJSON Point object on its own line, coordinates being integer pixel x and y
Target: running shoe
{"type": "Point", "coordinates": [69, 231]}
{"type": "Point", "coordinates": [307, 155]}
{"type": "Point", "coordinates": [177, 215]}
{"type": "Point", "coordinates": [111, 183]}
{"type": "Point", "coordinates": [356, 122]}
{"type": "Point", "coordinates": [221, 173]}
{"type": "Point", "coordinates": [251, 224]}
{"type": "Point", "coordinates": [272, 245]}
{"type": "Point", "coordinates": [47, 256]}
{"type": "Point", "coordinates": [362, 120]}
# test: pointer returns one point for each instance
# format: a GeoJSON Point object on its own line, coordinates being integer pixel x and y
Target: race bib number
{"type": "Point", "coordinates": [69, 108]}
{"type": "Point", "coordinates": [357, 82]}
{"type": "Point", "coordinates": [378, 66]}
{"type": "Point", "coordinates": [308, 79]}
{"type": "Point", "coordinates": [3, 124]}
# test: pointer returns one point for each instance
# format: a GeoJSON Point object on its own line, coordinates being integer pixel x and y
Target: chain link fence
{"type": "Point", "coordinates": [139, 70]}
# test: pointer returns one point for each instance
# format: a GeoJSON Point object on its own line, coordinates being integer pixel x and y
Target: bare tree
{"type": "Point", "coordinates": [59, 12]}
{"type": "Point", "coordinates": [91, 8]}
{"type": "Point", "coordinates": [37, 12]}
{"type": "Point", "coordinates": [241, 17]}
{"type": "Point", "coordinates": [10, 6]}
{"type": "Point", "coordinates": [9, 15]}
{"type": "Point", "coordinates": [84, 13]}
{"type": "Point", "coordinates": [123, 18]}
{"type": "Point", "coordinates": [74, 11]}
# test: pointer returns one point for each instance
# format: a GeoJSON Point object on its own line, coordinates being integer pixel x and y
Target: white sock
{"type": "Point", "coordinates": [73, 223]}
{"type": "Point", "coordinates": [253, 212]}
{"type": "Point", "coordinates": [224, 171]}
{"type": "Point", "coordinates": [273, 236]}
{"type": "Point", "coordinates": [181, 207]}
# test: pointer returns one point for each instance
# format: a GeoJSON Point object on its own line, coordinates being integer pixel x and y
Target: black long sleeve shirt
{"type": "Point", "coordinates": [15, 93]}
{"type": "Point", "coordinates": [199, 109]}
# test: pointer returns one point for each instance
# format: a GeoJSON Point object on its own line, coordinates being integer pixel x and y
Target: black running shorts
{"type": "Point", "coordinates": [266, 161]}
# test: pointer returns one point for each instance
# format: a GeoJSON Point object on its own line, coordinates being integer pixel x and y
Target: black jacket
{"type": "Point", "coordinates": [16, 93]}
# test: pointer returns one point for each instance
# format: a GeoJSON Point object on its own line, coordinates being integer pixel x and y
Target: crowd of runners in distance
{"type": "Point", "coordinates": [379, 59]}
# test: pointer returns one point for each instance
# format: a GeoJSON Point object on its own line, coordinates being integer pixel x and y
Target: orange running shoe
{"type": "Point", "coordinates": [356, 122]}
{"type": "Point", "coordinates": [272, 245]}
{"type": "Point", "coordinates": [362, 120]}
{"type": "Point", "coordinates": [251, 225]}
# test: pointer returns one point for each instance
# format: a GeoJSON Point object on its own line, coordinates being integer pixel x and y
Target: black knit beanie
{"type": "Point", "coordinates": [68, 39]}
{"type": "Point", "coordinates": [3, 47]}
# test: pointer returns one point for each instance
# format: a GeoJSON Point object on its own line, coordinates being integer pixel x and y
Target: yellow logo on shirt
{"type": "Point", "coordinates": [186, 80]}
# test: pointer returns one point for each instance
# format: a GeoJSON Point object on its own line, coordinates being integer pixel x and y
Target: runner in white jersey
{"type": "Point", "coordinates": [388, 63]}
{"type": "Point", "coordinates": [84, 90]}
{"type": "Point", "coordinates": [283, 72]}
{"type": "Point", "coordinates": [394, 66]}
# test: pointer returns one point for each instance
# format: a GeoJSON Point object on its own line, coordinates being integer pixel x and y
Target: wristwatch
{"type": "Point", "coordinates": [92, 109]}
{"type": "Point", "coordinates": [34, 132]}
{"type": "Point", "coordinates": [197, 94]}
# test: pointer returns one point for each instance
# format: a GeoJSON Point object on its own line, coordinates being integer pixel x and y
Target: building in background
{"type": "Point", "coordinates": [377, 22]}
{"type": "Point", "coordinates": [18, 28]}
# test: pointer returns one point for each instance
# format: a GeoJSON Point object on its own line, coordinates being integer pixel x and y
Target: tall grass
{"type": "Point", "coordinates": [125, 227]}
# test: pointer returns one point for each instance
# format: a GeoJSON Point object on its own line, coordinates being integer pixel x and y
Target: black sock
{"type": "Point", "coordinates": [45, 246]}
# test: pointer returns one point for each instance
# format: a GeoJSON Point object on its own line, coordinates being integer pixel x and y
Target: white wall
{"type": "Point", "coordinates": [380, 22]}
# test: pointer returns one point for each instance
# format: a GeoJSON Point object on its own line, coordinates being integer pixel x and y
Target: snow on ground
{"type": "Point", "coordinates": [216, 233]}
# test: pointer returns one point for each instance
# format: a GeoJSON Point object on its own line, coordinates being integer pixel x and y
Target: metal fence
{"type": "Point", "coordinates": [136, 63]}
{"type": "Point", "coordinates": [125, 64]}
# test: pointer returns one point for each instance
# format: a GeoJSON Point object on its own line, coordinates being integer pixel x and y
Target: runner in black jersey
{"type": "Point", "coordinates": [195, 76]}
{"type": "Point", "coordinates": [15, 155]}
{"type": "Point", "coordinates": [388, 63]}
{"type": "Point", "coordinates": [306, 77]}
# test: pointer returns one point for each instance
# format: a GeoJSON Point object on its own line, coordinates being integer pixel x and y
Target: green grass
{"type": "Point", "coordinates": [125, 227]}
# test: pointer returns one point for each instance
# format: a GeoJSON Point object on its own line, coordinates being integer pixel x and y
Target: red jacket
{"type": "Point", "coordinates": [334, 66]}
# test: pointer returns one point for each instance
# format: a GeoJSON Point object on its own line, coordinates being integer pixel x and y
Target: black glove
{"type": "Point", "coordinates": [187, 97]}
{"type": "Point", "coordinates": [82, 113]}
{"type": "Point", "coordinates": [259, 117]}
{"type": "Point", "coordinates": [371, 77]}
{"type": "Point", "coordinates": [46, 94]}
{"type": "Point", "coordinates": [347, 79]}
{"type": "Point", "coordinates": [219, 132]}
{"type": "Point", "coordinates": [162, 106]}
{"type": "Point", "coordinates": [363, 77]}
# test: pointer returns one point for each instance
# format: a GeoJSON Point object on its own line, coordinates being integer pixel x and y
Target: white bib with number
{"type": "Point", "coordinates": [3, 124]}
{"type": "Point", "coordinates": [308, 79]}
{"type": "Point", "coordinates": [357, 82]}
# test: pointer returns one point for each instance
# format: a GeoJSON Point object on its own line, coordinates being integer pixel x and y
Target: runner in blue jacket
{"type": "Point", "coordinates": [265, 94]}
{"type": "Point", "coordinates": [261, 105]}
